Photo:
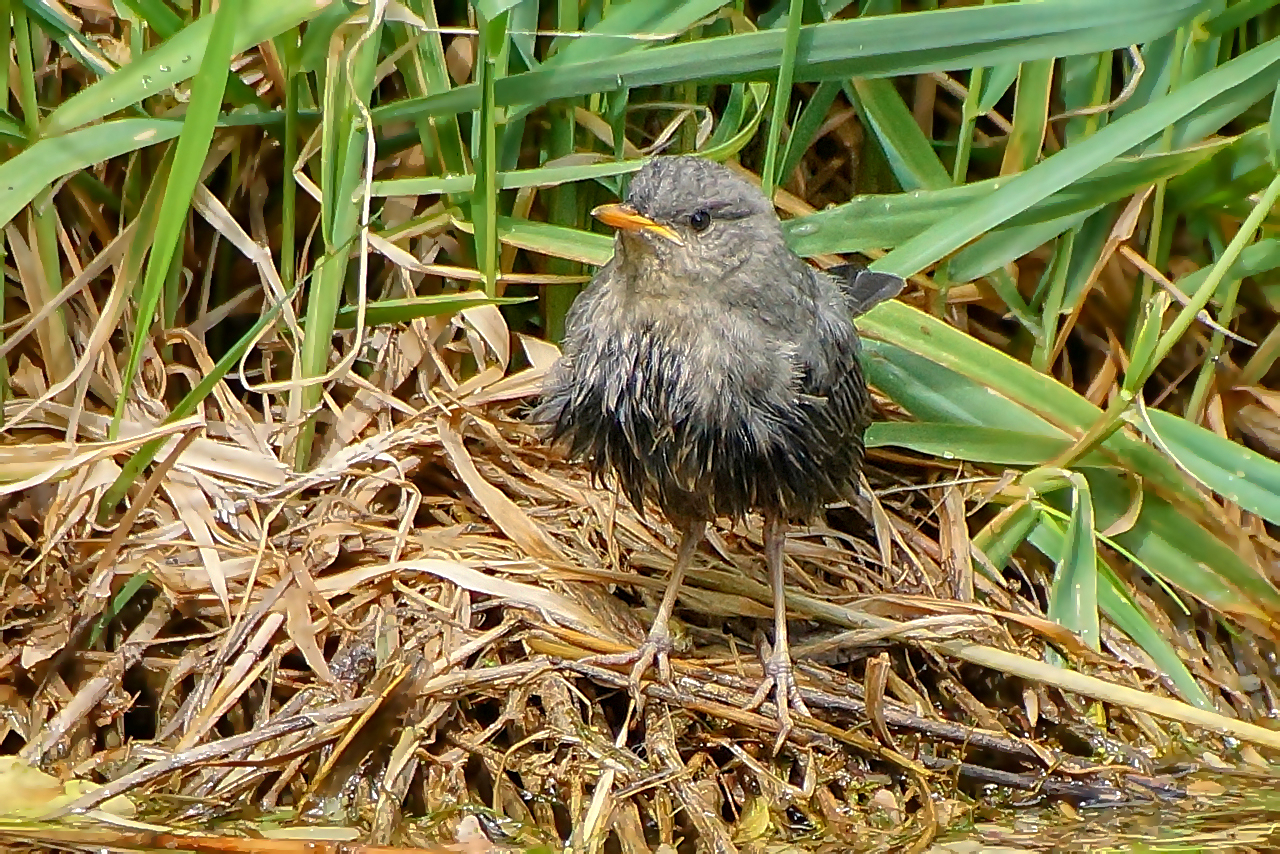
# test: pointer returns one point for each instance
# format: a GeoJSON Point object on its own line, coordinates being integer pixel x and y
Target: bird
{"type": "Point", "coordinates": [712, 372]}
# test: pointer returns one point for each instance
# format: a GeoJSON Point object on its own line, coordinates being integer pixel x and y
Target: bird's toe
{"type": "Point", "coordinates": [780, 681]}
{"type": "Point", "coordinates": [656, 649]}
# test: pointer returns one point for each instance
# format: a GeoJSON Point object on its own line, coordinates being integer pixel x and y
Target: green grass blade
{"type": "Point", "coordinates": [879, 221]}
{"type": "Point", "coordinates": [1030, 117]}
{"type": "Point", "coordinates": [908, 150]}
{"type": "Point", "coordinates": [1119, 607]}
{"type": "Point", "coordinates": [952, 441]}
{"type": "Point", "coordinates": [132, 470]}
{"type": "Point", "coordinates": [390, 311]}
{"type": "Point", "coordinates": [781, 96]}
{"type": "Point", "coordinates": [348, 84]}
{"type": "Point", "coordinates": [173, 61]}
{"type": "Point", "coordinates": [191, 150]}
{"type": "Point", "coordinates": [934, 393]}
{"type": "Point", "coordinates": [166, 23]}
{"type": "Point", "coordinates": [883, 46]}
{"type": "Point", "coordinates": [1194, 556]}
{"type": "Point", "coordinates": [1236, 473]}
{"type": "Point", "coordinates": [806, 126]}
{"type": "Point", "coordinates": [484, 203]}
{"type": "Point", "coordinates": [426, 72]}
{"type": "Point", "coordinates": [995, 83]}
{"type": "Point", "coordinates": [1074, 163]}
{"type": "Point", "coordinates": [1042, 397]}
{"type": "Point", "coordinates": [35, 168]}
{"type": "Point", "coordinates": [1128, 617]}
{"type": "Point", "coordinates": [1073, 596]}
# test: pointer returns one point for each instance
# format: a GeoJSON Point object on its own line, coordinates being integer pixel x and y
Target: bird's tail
{"type": "Point", "coordinates": [865, 289]}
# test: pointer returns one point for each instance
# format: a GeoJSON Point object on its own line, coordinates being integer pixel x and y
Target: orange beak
{"type": "Point", "coordinates": [628, 218]}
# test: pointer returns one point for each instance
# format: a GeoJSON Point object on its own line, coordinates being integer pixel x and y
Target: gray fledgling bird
{"type": "Point", "coordinates": [714, 373]}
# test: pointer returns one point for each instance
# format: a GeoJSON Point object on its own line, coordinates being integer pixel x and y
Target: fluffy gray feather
{"type": "Point", "coordinates": [715, 373]}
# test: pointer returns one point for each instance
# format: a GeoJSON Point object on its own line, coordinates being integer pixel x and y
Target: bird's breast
{"type": "Point", "coordinates": [698, 413]}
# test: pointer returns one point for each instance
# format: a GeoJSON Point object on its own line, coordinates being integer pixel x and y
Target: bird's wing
{"type": "Point", "coordinates": [838, 407]}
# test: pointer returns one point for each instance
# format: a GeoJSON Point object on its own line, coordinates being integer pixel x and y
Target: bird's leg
{"type": "Point", "coordinates": [779, 674]}
{"type": "Point", "coordinates": [658, 645]}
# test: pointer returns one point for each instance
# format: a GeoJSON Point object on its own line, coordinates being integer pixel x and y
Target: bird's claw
{"type": "Point", "coordinates": [780, 680]}
{"type": "Point", "coordinates": [649, 654]}
{"type": "Point", "coordinates": [656, 649]}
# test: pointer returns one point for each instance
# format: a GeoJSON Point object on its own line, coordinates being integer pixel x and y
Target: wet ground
{"type": "Point", "coordinates": [1223, 813]}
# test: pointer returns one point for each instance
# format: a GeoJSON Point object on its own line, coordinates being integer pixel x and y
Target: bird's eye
{"type": "Point", "coordinates": [699, 220]}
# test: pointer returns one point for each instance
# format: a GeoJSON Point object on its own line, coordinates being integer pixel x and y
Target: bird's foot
{"type": "Point", "coordinates": [656, 649]}
{"type": "Point", "coordinates": [780, 680]}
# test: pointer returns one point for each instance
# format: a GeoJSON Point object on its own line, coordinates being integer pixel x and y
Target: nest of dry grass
{"type": "Point", "coordinates": [401, 640]}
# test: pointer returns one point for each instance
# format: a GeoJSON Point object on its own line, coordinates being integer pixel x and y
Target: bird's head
{"type": "Point", "coordinates": [693, 219]}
